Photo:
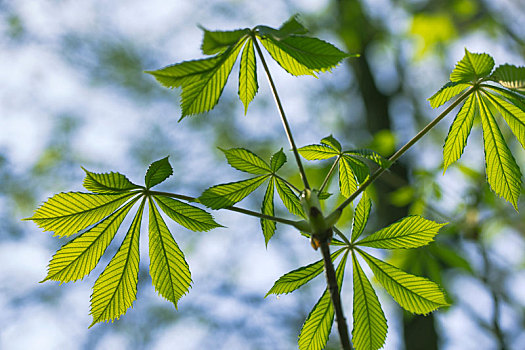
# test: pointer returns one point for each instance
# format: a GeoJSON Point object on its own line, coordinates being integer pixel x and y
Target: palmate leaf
{"type": "Point", "coordinates": [68, 213]}
{"type": "Point", "coordinates": [370, 327]}
{"type": "Point", "coordinates": [472, 67]}
{"type": "Point", "coordinates": [247, 161]}
{"type": "Point", "coordinates": [503, 174]}
{"type": "Point", "coordinates": [108, 183]}
{"type": "Point", "coordinates": [291, 26]}
{"type": "Point", "coordinates": [248, 85]}
{"type": "Point", "coordinates": [187, 215]}
{"type": "Point", "coordinates": [513, 115]}
{"type": "Point", "coordinates": [448, 91]}
{"type": "Point", "coordinates": [409, 232]}
{"type": "Point", "coordinates": [292, 280]}
{"type": "Point", "coordinates": [277, 160]}
{"type": "Point", "coordinates": [459, 131]}
{"type": "Point", "coordinates": [268, 226]}
{"type": "Point", "coordinates": [116, 288]}
{"type": "Point", "coordinates": [169, 270]}
{"type": "Point", "coordinates": [369, 154]}
{"type": "Point", "coordinates": [317, 327]}
{"type": "Point", "coordinates": [217, 41]}
{"type": "Point", "coordinates": [317, 152]}
{"type": "Point", "coordinates": [347, 180]}
{"type": "Point", "coordinates": [157, 172]}
{"type": "Point", "coordinates": [330, 141]}
{"type": "Point", "coordinates": [362, 212]}
{"type": "Point", "coordinates": [226, 195]}
{"type": "Point", "coordinates": [413, 293]}
{"type": "Point", "coordinates": [509, 76]}
{"type": "Point", "coordinates": [78, 257]}
{"type": "Point", "coordinates": [290, 200]}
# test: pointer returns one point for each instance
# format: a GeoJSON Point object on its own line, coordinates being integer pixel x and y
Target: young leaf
{"type": "Point", "coordinates": [360, 169]}
{"type": "Point", "coordinates": [248, 86]}
{"type": "Point", "coordinates": [108, 183]}
{"type": "Point", "coordinates": [226, 195]}
{"type": "Point", "coordinates": [268, 226]}
{"type": "Point", "coordinates": [277, 160]}
{"type": "Point", "coordinates": [191, 217]}
{"type": "Point", "coordinates": [330, 141]}
{"type": "Point", "coordinates": [116, 288]}
{"type": "Point", "coordinates": [291, 26]}
{"type": "Point", "coordinates": [79, 256]}
{"type": "Point", "coordinates": [247, 161]}
{"type": "Point", "coordinates": [413, 293]}
{"type": "Point", "coordinates": [370, 326]}
{"type": "Point", "coordinates": [503, 174]}
{"type": "Point", "coordinates": [472, 67]}
{"type": "Point", "coordinates": [362, 212]}
{"type": "Point", "coordinates": [317, 327]}
{"type": "Point", "coordinates": [285, 60]}
{"type": "Point", "coordinates": [290, 200]}
{"type": "Point", "coordinates": [509, 76]}
{"type": "Point", "coordinates": [169, 270]}
{"type": "Point", "coordinates": [513, 115]}
{"type": "Point", "coordinates": [316, 152]}
{"type": "Point", "coordinates": [292, 280]}
{"type": "Point", "coordinates": [157, 172]}
{"type": "Point", "coordinates": [409, 232]}
{"type": "Point", "coordinates": [68, 213]}
{"type": "Point", "coordinates": [459, 131]}
{"type": "Point", "coordinates": [347, 181]}
{"type": "Point", "coordinates": [448, 91]}
{"type": "Point", "coordinates": [371, 155]}
{"type": "Point", "coordinates": [217, 41]}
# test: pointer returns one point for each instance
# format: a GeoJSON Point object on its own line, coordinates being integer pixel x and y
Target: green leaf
{"type": "Point", "coordinates": [300, 55]}
{"type": "Point", "coordinates": [291, 26]}
{"type": "Point", "coordinates": [157, 172]}
{"type": "Point", "coordinates": [330, 141]}
{"type": "Point", "coordinates": [116, 288]}
{"type": "Point", "coordinates": [217, 41]}
{"type": "Point", "coordinates": [415, 294]}
{"type": "Point", "coordinates": [472, 67]}
{"type": "Point", "coordinates": [169, 270]}
{"type": "Point", "coordinates": [409, 232]}
{"type": "Point", "coordinates": [362, 212]}
{"type": "Point", "coordinates": [448, 91]}
{"type": "Point", "coordinates": [459, 131]}
{"type": "Point", "coordinates": [316, 152]}
{"type": "Point", "coordinates": [317, 327]}
{"type": "Point", "coordinates": [370, 326]}
{"type": "Point", "coordinates": [370, 155]}
{"type": "Point", "coordinates": [247, 161]}
{"type": "Point", "coordinates": [68, 213]}
{"type": "Point", "coordinates": [108, 183]}
{"type": "Point", "coordinates": [347, 180]}
{"type": "Point", "coordinates": [290, 200]}
{"type": "Point", "coordinates": [509, 76]}
{"type": "Point", "coordinates": [268, 226]}
{"type": "Point", "coordinates": [513, 115]}
{"type": "Point", "coordinates": [292, 280]}
{"type": "Point", "coordinates": [191, 217]}
{"type": "Point", "coordinates": [78, 257]}
{"type": "Point", "coordinates": [360, 169]}
{"type": "Point", "coordinates": [277, 160]}
{"type": "Point", "coordinates": [203, 94]}
{"type": "Point", "coordinates": [226, 195]}
{"type": "Point", "coordinates": [503, 174]}
{"type": "Point", "coordinates": [248, 86]}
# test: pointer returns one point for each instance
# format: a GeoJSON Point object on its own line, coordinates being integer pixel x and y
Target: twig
{"type": "Point", "coordinates": [327, 178]}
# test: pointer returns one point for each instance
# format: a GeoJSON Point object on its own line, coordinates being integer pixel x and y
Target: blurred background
{"type": "Point", "coordinates": [73, 93]}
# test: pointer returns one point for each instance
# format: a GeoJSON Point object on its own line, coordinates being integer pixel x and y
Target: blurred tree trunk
{"type": "Point", "coordinates": [357, 32]}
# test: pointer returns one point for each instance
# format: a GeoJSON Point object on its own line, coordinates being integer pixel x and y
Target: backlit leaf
{"type": "Point", "coordinates": [459, 131]}
{"type": "Point", "coordinates": [292, 280]}
{"type": "Point", "coordinates": [448, 91]}
{"type": "Point", "coordinates": [371, 155]}
{"type": "Point", "coordinates": [513, 115]}
{"type": "Point", "coordinates": [285, 60]}
{"type": "Point", "coordinates": [360, 169]}
{"type": "Point", "coordinates": [315, 152]}
{"type": "Point", "coordinates": [370, 325]}
{"type": "Point", "coordinates": [79, 256]}
{"type": "Point", "coordinates": [248, 86]}
{"type": "Point", "coordinates": [415, 294]}
{"type": "Point", "coordinates": [409, 232]}
{"type": "Point", "coordinates": [290, 200]}
{"type": "Point", "coordinates": [510, 76]}
{"type": "Point", "coordinates": [247, 161]}
{"type": "Point", "coordinates": [169, 270]}
{"type": "Point", "coordinates": [68, 213]}
{"type": "Point", "coordinates": [191, 217]}
{"type": "Point", "coordinates": [226, 195]}
{"type": "Point", "coordinates": [331, 142]}
{"type": "Point", "coordinates": [347, 180]}
{"type": "Point", "coordinates": [217, 41]}
{"type": "Point", "coordinates": [157, 172]}
{"type": "Point", "coordinates": [472, 67]}
{"type": "Point", "coordinates": [268, 226]}
{"type": "Point", "coordinates": [277, 160]}
{"type": "Point", "coordinates": [116, 288]}
{"type": "Point", "coordinates": [361, 214]}
{"type": "Point", "coordinates": [108, 183]}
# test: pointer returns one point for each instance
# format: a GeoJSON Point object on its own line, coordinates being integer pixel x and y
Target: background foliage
{"type": "Point", "coordinates": [74, 93]}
